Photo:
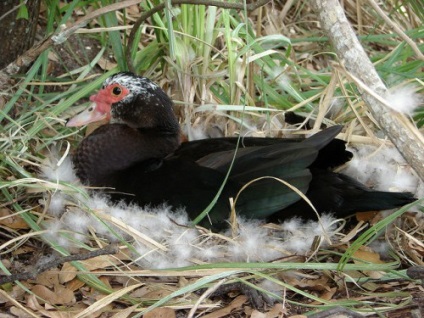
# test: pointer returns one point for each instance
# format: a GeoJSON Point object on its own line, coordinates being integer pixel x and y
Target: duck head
{"type": "Point", "coordinates": [135, 101]}
{"type": "Point", "coordinates": [142, 126]}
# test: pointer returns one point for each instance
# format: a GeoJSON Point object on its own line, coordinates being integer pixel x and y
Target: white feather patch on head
{"type": "Point", "coordinates": [136, 85]}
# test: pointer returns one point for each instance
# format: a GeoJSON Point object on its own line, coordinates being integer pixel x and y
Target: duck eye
{"type": "Point", "coordinates": [116, 91]}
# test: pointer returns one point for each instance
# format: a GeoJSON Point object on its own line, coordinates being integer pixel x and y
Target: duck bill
{"type": "Point", "coordinates": [90, 115]}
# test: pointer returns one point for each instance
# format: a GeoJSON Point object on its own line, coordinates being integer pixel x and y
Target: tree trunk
{"type": "Point", "coordinates": [17, 35]}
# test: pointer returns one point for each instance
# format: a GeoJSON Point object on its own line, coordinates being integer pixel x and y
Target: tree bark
{"type": "Point", "coordinates": [404, 135]}
{"type": "Point", "coordinates": [17, 35]}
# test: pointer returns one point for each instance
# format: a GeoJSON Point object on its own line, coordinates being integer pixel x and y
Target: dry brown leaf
{"type": "Point", "coordinates": [52, 56]}
{"type": "Point", "coordinates": [106, 64]}
{"type": "Point", "coordinates": [48, 278]}
{"type": "Point", "coordinates": [103, 304]}
{"type": "Point", "coordinates": [360, 226]}
{"type": "Point", "coordinates": [12, 220]}
{"type": "Point", "coordinates": [278, 311]}
{"type": "Point", "coordinates": [32, 303]}
{"type": "Point", "coordinates": [75, 284]}
{"type": "Point", "coordinates": [64, 295]}
{"type": "Point", "coordinates": [18, 312]}
{"type": "Point", "coordinates": [257, 314]}
{"type": "Point", "coordinates": [133, 10]}
{"type": "Point", "coordinates": [237, 303]}
{"type": "Point", "coordinates": [69, 272]}
{"type": "Point", "coordinates": [60, 296]}
{"type": "Point", "coordinates": [106, 281]}
{"type": "Point", "coordinates": [327, 295]}
{"type": "Point", "coordinates": [124, 313]}
{"type": "Point", "coordinates": [101, 261]}
{"type": "Point", "coordinates": [366, 216]}
{"type": "Point", "coordinates": [368, 255]}
{"type": "Point", "coordinates": [57, 314]}
{"type": "Point", "coordinates": [163, 312]}
{"type": "Point", "coordinates": [157, 294]}
{"type": "Point", "coordinates": [157, 291]}
{"type": "Point", "coordinates": [23, 250]}
{"type": "Point", "coordinates": [318, 284]}
{"type": "Point", "coordinates": [18, 306]}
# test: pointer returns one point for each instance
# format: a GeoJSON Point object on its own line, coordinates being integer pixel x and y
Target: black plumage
{"type": "Point", "coordinates": [140, 159]}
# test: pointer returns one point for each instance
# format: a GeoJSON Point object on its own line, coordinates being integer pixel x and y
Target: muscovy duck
{"type": "Point", "coordinates": [140, 158]}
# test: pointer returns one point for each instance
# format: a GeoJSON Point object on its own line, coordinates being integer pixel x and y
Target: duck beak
{"type": "Point", "coordinates": [91, 114]}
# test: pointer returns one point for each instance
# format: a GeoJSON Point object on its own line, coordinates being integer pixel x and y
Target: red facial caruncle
{"type": "Point", "coordinates": [101, 107]}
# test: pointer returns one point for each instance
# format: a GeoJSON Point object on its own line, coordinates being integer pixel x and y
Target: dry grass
{"type": "Point", "coordinates": [212, 84]}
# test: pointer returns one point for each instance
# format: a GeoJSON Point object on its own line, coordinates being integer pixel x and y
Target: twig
{"type": "Point", "coordinates": [221, 4]}
{"type": "Point", "coordinates": [44, 265]}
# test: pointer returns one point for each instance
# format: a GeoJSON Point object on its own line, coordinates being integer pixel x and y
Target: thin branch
{"type": "Point", "coordinates": [42, 265]}
{"type": "Point", "coordinates": [220, 4]}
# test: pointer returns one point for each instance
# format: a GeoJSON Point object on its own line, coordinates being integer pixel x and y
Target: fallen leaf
{"type": "Point", "coordinates": [75, 284]}
{"type": "Point", "coordinates": [106, 64]}
{"type": "Point", "coordinates": [60, 296]}
{"type": "Point", "coordinates": [69, 272]}
{"type": "Point", "coordinates": [327, 295]}
{"type": "Point", "coordinates": [18, 312]}
{"type": "Point", "coordinates": [366, 216]}
{"type": "Point", "coordinates": [23, 250]}
{"type": "Point", "coordinates": [277, 311]}
{"type": "Point", "coordinates": [237, 303]}
{"type": "Point", "coordinates": [12, 220]}
{"type": "Point", "coordinates": [162, 312]}
{"type": "Point", "coordinates": [48, 278]}
{"type": "Point", "coordinates": [124, 313]}
{"type": "Point", "coordinates": [133, 10]}
{"type": "Point", "coordinates": [157, 291]}
{"type": "Point", "coordinates": [257, 314]}
{"type": "Point", "coordinates": [366, 254]}
{"type": "Point", "coordinates": [32, 302]}
{"type": "Point", "coordinates": [103, 304]}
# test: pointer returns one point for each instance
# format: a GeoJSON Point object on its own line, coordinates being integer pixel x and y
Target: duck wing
{"type": "Point", "coordinates": [332, 152]}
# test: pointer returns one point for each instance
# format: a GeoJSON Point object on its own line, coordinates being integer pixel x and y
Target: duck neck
{"type": "Point", "coordinates": [111, 149]}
